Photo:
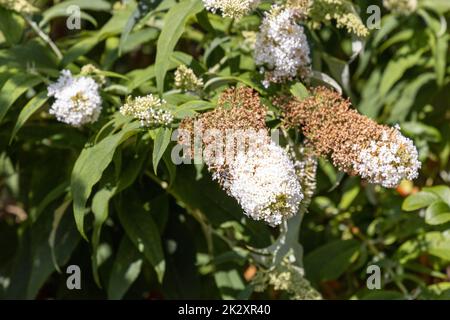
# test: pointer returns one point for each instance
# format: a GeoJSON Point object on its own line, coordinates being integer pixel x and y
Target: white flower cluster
{"type": "Point", "coordinates": [186, 79]}
{"type": "Point", "coordinates": [264, 182]}
{"type": "Point", "coordinates": [390, 160]}
{"type": "Point", "coordinates": [282, 46]}
{"type": "Point", "coordinates": [78, 100]}
{"type": "Point", "coordinates": [231, 8]}
{"type": "Point", "coordinates": [148, 110]}
{"type": "Point", "coordinates": [401, 6]}
{"type": "Point", "coordinates": [21, 6]}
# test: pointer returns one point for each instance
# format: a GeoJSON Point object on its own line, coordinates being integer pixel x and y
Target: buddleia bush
{"type": "Point", "coordinates": [226, 149]}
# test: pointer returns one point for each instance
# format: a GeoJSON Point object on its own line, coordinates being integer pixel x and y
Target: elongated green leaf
{"type": "Point", "coordinates": [59, 213]}
{"type": "Point", "coordinates": [438, 5]}
{"type": "Point", "coordinates": [216, 82]}
{"type": "Point", "coordinates": [190, 108]}
{"type": "Point", "coordinates": [101, 200]}
{"type": "Point", "coordinates": [11, 26]}
{"type": "Point", "coordinates": [419, 129]}
{"type": "Point", "coordinates": [388, 23]}
{"type": "Point", "coordinates": [43, 256]}
{"type": "Point", "coordinates": [142, 231]}
{"type": "Point", "coordinates": [338, 256]}
{"type": "Point", "coordinates": [174, 23]}
{"type": "Point", "coordinates": [401, 108]}
{"type": "Point", "coordinates": [395, 70]}
{"type": "Point", "coordinates": [323, 78]}
{"type": "Point", "coordinates": [229, 283]}
{"type": "Point", "coordinates": [112, 27]}
{"type": "Point", "coordinates": [61, 9]}
{"type": "Point", "coordinates": [126, 268]}
{"type": "Point", "coordinates": [100, 203]}
{"type": "Point", "coordinates": [13, 89]}
{"type": "Point", "coordinates": [162, 141]}
{"type": "Point", "coordinates": [30, 108]}
{"type": "Point", "coordinates": [440, 56]}
{"type": "Point", "coordinates": [54, 194]}
{"type": "Point", "coordinates": [89, 168]}
{"type": "Point", "coordinates": [143, 8]}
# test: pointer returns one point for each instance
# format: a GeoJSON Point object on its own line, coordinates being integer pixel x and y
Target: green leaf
{"type": "Point", "coordinates": [323, 78]}
{"type": "Point", "coordinates": [58, 215]}
{"type": "Point", "coordinates": [143, 7]}
{"type": "Point", "coordinates": [331, 260]}
{"type": "Point", "coordinates": [299, 90]}
{"type": "Point", "coordinates": [440, 56]}
{"type": "Point", "coordinates": [371, 101]}
{"type": "Point", "coordinates": [395, 69]}
{"type": "Point", "coordinates": [33, 54]}
{"type": "Point", "coordinates": [58, 229]}
{"type": "Point", "coordinates": [174, 23]}
{"type": "Point", "coordinates": [89, 167]}
{"type": "Point", "coordinates": [114, 26]}
{"type": "Point", "coordinates": [30, 108]}
{"type": "Point", "coordinates": [440, 291]}
{"type": "Point", "coordinates": [437, 213]}
{"type": "Point", "coordinates": [101, 200]}
{"type": "Point", "coordinates": [350, 192]}
{"type": "Point", "coordinates": [419, 129]}
{"type": "Point", "coordinates": [442, 191]}
{"type": "Point", "coordinates": [190, 108]}
{"type": "Point", "coordinates": [80, 48]}
{"type": "Point", "coordinates": [142, 231]}
{"type": "Point", "coordinates": [13, 89]}
{"type": "Point", "coordinates": [418, 200]}
{"type": "Point", "coordinates": [61, 9]}
{"type": "Point", "coordinates": [434, 243]}
{"type": "Point", "coordinates": [53, 195]}
{"type": "Point", "coordinates": [402, 106]}
{"type": "Point", "coordinates": [216, 82]}
{"type": "Point", "coordinates": [388, 24]}
{"type": "Point", "coordinates": [11, 26]}
{"type": "Point", "coordinates": [100, 208]}
{"type": "Point", "coordinates": [126, 269]}
{"type": "Point", "coordinates": [229, 283]}
{"type": "Point", "coordinates": [441, 6]}
{"type": "Point", "coordinates": [162, 141]}
{"type": "Point", "coordinates": [400, 37]}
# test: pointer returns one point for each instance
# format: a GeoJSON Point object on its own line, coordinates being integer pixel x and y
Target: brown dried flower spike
{"type": "Point", "coordinates": [237, 109]}
{"type": "Point", "coordinates": [356, 144]}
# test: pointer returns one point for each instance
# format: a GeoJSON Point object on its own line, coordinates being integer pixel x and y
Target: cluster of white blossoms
{"type": "Point", "coordinates": [389, 160]}
{"type": "Point", "coordinates": [186, 79]}
{"type": "Point", "coordinates": [78, 100]}
{"type": "Point", "coordinates": [148, 110]}
{"type": "Point", "coordinates": [282, 47]}
{"type": "Point", "coordinates": [401, 6]}
{"type": "Point", "coordinates": [21, 6]}
{"type": "Point", "coordinates": [231, 8]}
{"type": "Point", "coordinates": [263, 180]}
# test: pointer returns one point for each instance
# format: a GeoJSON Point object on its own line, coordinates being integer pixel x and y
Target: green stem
{"type": "Point", "coordinates": [44, 37]}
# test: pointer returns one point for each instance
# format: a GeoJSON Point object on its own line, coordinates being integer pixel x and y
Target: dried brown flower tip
{"type": "Point", "coordinates": [356, 144]}
{"type": "Point", "coordinates": [237, 109]}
